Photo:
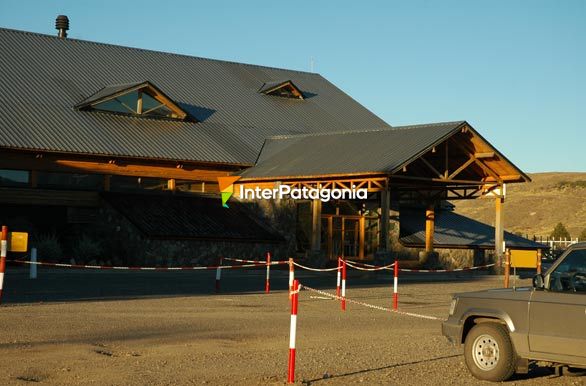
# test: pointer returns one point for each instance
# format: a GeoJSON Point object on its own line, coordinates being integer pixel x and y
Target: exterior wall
{"type": "Point", "coordinates": [122, 243]}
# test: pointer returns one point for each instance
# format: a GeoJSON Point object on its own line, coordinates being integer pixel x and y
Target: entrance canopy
{"type": "Point", "coordinates": [420, 164]}
{"type": "Point", "coordinates": [447, 160]}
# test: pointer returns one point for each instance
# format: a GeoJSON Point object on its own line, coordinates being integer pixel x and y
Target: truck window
{"type": "Point", "coordinates": [570, 275]}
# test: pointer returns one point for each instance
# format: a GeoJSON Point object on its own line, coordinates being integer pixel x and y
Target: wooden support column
{"type": "Point", "coordinates": [361, 228]}
{"type": "Point", "coordinates": [499, 234]}
{"type": "Point", "coordinates": [34, 179]}
{"type": "Point", "coordinates": [385, 205]}
{"type": "Point", "coordinates": [171, 184]}
{"type": "Point", "coordinates": [331, 238]}
{"type": "Point", "coordinates": [429, 228]}
{"type": "Point", "coordinates": [315, 225]}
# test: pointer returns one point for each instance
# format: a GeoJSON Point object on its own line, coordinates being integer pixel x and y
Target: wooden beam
{"type": "Point", "coordinates": [361, 230]}
{"type": "Point", "coordinates": [498, 233]}
{"type": "Point", "coordinates": [171, 184]}
{"type": "Point", "coordinates": [440, 180]}
{"type": "Point", "coordinates": [385, 206]}
{"type": "Point", "coordinates": [487, 154]}
{"type": "Point", "coordinates": [488, 170]}
{"type": "Point", "coordinates": [429, 228]}
{"type": "Point", "coordinates": [331, 238]}
{"type": "Point", "coordinates": [461, 168]}
{"type": "Point", "coordinates": [61, 164]}
{"type": "Point", "coordinates": [316, 225]}
{"type": "Point", "coordinates": [430, 166]}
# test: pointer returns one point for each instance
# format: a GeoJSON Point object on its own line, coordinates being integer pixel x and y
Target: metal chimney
{"type": "Point", "coordinates": [62, 25]}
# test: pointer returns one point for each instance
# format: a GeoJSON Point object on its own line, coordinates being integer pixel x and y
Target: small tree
{"type": "Point", "coordinates": [559, 232]}
{"type": "Point", "coordinates": [582, 236]}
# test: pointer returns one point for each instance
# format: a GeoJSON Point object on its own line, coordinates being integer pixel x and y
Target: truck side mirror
{"type": "Point", "coordinates": [538, 281]}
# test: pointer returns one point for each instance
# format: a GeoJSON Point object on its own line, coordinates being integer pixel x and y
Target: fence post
{"type": "Point", "coordinates": [33, 265]}
{"type": "Point", "coordinates": [539, 261]}
{"type": "Point", "coordinates": [338, 277]}
{"type": "Point", "coordinates": [291, 276]}
{"type": "Point", "coordinates": [396, 285]}
{"type": "Point", "coordinates": [218, 274]}
{"type": "Point", "coordinates": [343, 285]}
{"type": "Point", "coordinates": [3, 250]}
{"type": "Point", "coordinates": [293, 332]}
{"type": "Point", "coordinates": [268, 283]}
{"type": "Point", "coordinates": [507, 266]}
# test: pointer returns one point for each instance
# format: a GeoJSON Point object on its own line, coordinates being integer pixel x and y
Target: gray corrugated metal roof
{"type": "Point", "coordinates": [271, 85]}
{"type": "Point", "coordinates": [44, 77]}
{"type": "Point", "coordinates": [367, 151]}
{"type": "Point", "coordinates": [453, 230]}
{"type": "Point", "coordinates": [109, 90]}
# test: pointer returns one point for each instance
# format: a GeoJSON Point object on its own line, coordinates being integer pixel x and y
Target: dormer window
{"type": "Point", "coordinates": [285, 89]}
{"type": "Point", "coordinates": [136, 99]}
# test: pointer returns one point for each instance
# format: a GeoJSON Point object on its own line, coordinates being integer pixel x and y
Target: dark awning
{"type": "Point", "coordinates": [453, 230]}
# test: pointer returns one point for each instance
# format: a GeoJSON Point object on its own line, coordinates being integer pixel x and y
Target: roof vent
{"type": "Point", "coordinates": [62, 25]}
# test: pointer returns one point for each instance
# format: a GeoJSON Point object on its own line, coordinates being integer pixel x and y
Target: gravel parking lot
{"type": "Point", "coordinates": [146, 328]}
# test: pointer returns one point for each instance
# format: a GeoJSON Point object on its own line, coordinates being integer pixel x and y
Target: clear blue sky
{"type": "Point", "coordinates": [514, 69]}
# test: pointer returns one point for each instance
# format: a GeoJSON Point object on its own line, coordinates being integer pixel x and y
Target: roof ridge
{"type": "Point", "coordinates": [344, 132]}
{"type": "Point", "coordinates": [83, 41]}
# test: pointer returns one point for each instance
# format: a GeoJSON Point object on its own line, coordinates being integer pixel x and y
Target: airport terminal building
{"type": "Point", "coordinates": [122, 148]}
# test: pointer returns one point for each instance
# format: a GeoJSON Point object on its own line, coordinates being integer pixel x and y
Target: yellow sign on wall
{"type": "Point", "coordinates": [18, 241]}
{"type": "Point", "coordinates": [523, 259]}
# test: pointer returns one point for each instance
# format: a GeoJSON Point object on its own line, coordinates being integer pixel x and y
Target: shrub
{"type": "Point", "coordinates": [560, 231]}
{"type": "Point", "coordinates": [582, 236]}
{"type": "Point", "coordinates": [86, 249]}
{"type": "Point", "coordinates": [48, 247]}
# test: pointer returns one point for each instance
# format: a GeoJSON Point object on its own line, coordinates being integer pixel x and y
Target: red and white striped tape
{"type": "Point", "coordinates": [447, 270]}
{"type": "Point", "coordinates": [373, 267]}
{"type": "Point", "coordinates": [421, 316]}
{"type": "Point", "coordinates": [111, 267]}
{"type": "Point", "coordinates": [315, 269]}
{"type": "Point", "coordinates": [257, 262]}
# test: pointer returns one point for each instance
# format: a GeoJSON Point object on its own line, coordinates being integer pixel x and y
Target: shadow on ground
{"type": "Point", "coordinates": [58, 285]}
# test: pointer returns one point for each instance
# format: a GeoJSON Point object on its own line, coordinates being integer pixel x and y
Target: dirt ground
{"type": "Point", "coordinates": [162, 328]}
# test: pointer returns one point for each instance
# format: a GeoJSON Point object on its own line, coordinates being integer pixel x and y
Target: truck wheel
{"type": "Point", "coordinates": [489, 353]}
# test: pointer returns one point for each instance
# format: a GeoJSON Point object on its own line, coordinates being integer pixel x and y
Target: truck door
{"type": "Point", "coordinates": [557, 314]}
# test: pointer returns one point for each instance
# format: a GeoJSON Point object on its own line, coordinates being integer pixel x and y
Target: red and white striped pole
{"type": "Point", "coordinates": [267, 282]}
{"type": "Point", "coordinates": [395, 286]}
{"type": "Point", "coordinates": [338, 277]}
{"type": "Point", "coordinates": [293, 332]}
{"type": "Point", "coordinates": [3, 250]}
{"type": "Point", "coordinates": [343, 285]}
{"type": "Point", "coordinates": [291, 276]}
{"type": "Point", "coordinates": [219, 274]}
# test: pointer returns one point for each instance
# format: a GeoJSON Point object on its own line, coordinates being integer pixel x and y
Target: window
{"type": "Point", "coordinates": [136, 99]}
{"type": "Point", "coordinates": [284, 89]}
{"type": "Point", "coordinates": [73, 181]}
{"type": "Point", "coordinates": [570, 275]}
{"type": "Point", "coordinates": [128, 183]}
{"type": "Point", "coordinates": [197, 186]}
{"type": "Point", "coordinates": [14, 178]}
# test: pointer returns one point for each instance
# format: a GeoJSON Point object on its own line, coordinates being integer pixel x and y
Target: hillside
{"type": "Point", "coordinates": [535, 208]}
